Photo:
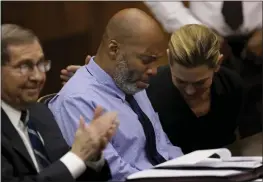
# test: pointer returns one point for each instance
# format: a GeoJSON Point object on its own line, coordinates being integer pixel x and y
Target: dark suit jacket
{"type": "Point", "coordinates": [16, 161]}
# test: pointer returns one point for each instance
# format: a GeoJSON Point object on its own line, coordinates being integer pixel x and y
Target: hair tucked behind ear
{"type": "Point", "coordinates": [194, 45]}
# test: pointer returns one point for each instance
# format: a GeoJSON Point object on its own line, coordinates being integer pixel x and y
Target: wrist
{"type": "Point", "coordinates": [95, 157]}
{"type": "Point", "coordinates": [82, 155]}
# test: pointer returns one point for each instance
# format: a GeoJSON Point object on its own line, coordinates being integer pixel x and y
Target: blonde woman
{"type": "Point", "coordinates": [198, 101]}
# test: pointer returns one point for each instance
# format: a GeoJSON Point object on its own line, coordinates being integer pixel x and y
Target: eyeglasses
{"type": "Point", "coordinates": [28, 67]}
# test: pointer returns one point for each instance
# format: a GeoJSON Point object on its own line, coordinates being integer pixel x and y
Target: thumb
{"type": "Point", "coordinates": [87, 59]}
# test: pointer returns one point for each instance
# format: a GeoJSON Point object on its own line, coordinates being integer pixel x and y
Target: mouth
{"type": "Point", "coordinates": [142, 84]}
{"type": "Point", "coordinates": [33, 90]}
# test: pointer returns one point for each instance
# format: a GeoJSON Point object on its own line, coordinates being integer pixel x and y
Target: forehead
{"type": "Point", "coordinates": [149, 49]}
{"type": "Point", "coordinates": [191, 74]}
{"type": "Point", "coordinates": [151, 43]}
{"type": "Point", "coordinates": [29, 51]}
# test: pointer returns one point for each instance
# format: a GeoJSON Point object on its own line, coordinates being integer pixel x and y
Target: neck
{"type": "Point", "coordinates": [202, 99]}
{"type": "Point", "coordinates": [103, 62]}
{"type": "Point", "coordinates": [18, 107]}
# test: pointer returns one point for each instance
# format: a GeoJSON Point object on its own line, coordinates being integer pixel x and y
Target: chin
{"type": "Point", "coordinates": [31, 99]}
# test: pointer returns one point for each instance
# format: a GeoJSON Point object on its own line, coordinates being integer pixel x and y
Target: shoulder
{"type": "Point", "coordinates": [41, 112]}
{"type": "Point", "coordinates": [230, 80]}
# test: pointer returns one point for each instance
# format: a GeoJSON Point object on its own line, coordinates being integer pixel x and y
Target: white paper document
{"type": "Point", "coordinates": [215, 162]}
{"type": "Point", "coordinates": [201, 158]}
{"type": "Point", "coordinates": [160, 173]}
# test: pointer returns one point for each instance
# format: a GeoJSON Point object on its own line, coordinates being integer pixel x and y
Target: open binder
{"type": "Point", "coordinates": [213, 165]}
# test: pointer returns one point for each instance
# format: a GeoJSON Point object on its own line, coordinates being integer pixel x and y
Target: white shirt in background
{"type": "Point", "coordinates": [173, 15]}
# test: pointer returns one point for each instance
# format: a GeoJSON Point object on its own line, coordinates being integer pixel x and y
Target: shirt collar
{"type": "Point", "coordinates": [104, 78]}
{"type": "Point", "coordinates": [13, 114]}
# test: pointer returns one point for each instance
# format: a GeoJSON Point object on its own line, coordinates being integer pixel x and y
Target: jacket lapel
{"type": "Point", "coordinates": [16, 142]}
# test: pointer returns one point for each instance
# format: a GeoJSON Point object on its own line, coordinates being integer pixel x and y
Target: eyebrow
{"type": "Point", "coordinates": [28, 60]}
{"type": "Point", "coordinates": [204, 79]}
{"type": "Point", "coordinates": [150, 56]}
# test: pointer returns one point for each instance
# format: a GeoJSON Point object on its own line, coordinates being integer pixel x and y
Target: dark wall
{"type": "Point", "coordinates": [68, 30]}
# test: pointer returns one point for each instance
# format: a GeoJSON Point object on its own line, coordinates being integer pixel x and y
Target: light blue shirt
{"type": "Point", "coordinates": [92, 86]}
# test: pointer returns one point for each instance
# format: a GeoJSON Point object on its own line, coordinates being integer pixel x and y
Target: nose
{"type": "Point", "coordinates": [36, 74]}
{"type": "Point", "coordinates": [190, 90]}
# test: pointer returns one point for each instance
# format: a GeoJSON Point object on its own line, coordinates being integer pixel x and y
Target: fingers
{"type": "Point", "coordinates": [65, 75]}
{"type": "Point", "coordinates": [105, 140]}
{"type": "Point", "coordinates": [67, 72]}
{"type": "Point", "coordinates": [105, 123]}
{"type": "Point", "coordinates": [87, 59]}
{"type": "Point", "coordinates": [64, 72]}
{"type": "Point", "coordinates": [110, 117]}
{"type": "Point", "coordinates": [97, 112]}
{"type": "Point", "coordinates": [107, 119]}
{"type": "Point", "coordinates": [111, 132]}
{"type": "Point", "coordinates": [64, 78]}
{"type": "Point", "coordinates": [82, 124]}
{"type": "Point", "coordinates": [73, 68]}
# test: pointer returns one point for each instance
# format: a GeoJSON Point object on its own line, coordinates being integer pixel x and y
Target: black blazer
{"type": "Point", "coordinates": [16, 161]}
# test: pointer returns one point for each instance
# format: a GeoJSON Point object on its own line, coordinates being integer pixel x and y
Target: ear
{"type": "Point", "coordinates": [113, 49]}
{"type": "Point", "coordinates": [220, 60]}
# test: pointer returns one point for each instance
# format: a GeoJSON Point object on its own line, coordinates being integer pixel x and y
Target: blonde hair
{"type": "Point", "coordinates": [194, 45]}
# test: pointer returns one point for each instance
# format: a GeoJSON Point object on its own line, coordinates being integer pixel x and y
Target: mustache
{"type": "Point", "coordinates": [135, 76]}
{"type": "Point", "coordinates": [33, 85]}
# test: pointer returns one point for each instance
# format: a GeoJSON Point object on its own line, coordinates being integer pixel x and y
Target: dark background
{"type": "Point", "coordinates": [68, 30]}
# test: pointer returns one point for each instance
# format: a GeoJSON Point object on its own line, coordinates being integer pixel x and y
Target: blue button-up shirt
{"type": "Point", "coordinates": [92, 86]}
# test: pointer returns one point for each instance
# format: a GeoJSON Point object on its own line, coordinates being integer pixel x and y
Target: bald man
{"type": "Point", "coordinates": [116, 79]}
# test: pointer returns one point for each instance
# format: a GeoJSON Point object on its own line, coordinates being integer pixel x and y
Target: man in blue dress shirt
{"type": "Point", "coordinates": [115, 79]}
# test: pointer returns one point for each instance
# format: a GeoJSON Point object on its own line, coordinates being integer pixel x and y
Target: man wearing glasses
{"type": "Point", "coordinates": [33, 148]}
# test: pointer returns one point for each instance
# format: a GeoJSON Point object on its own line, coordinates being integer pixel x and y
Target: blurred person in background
{"type": "Point", "coordinates": [238, 22]}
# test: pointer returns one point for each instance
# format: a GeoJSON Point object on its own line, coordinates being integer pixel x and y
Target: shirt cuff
{"type": "Point", "coordinates": [75, 165]}
{"type": "Point", "coordinates": [96, 165]}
